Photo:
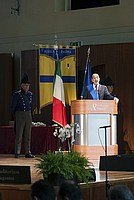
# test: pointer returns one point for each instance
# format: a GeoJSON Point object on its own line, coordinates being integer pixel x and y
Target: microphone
{"type": "Point", "coordinates": [108, 126]}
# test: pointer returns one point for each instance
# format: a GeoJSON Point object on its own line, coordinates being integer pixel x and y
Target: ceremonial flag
{"type": "Point", "coordinates": [67, 58]}
{"type": "Point", "coordinates": [46, 73]}
{"type": "Point", "coordinates": [68, 71]}
{"type": "Point", "coordinates": [59, 108]}
{"type": "Point", "coordinates": [87, 76]}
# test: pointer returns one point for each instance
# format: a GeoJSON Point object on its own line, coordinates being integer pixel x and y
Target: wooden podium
{"type": "Point", "coordinates": [93, 115]}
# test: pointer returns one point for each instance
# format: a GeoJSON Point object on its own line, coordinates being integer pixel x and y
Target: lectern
{"type": "Point", "coordinates": [91, 115]}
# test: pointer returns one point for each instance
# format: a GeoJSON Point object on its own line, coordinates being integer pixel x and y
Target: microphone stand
{"type": "Point", "coordinates": [107, 185]}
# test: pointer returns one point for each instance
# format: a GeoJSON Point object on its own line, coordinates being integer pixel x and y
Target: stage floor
{"type": "Point", "coordinates": [95, 190]}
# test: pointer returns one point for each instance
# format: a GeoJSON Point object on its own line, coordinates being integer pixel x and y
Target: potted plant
{"type": "Point", "coordinates": [69, 166]}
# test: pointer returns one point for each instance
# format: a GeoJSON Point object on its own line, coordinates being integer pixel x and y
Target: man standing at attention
{"type": "Point", "coordinates": [97, 91]}
{"type": "Point", "coordinates": [22, 102]}
{"type": "Point", "coordinates": [110, 85]}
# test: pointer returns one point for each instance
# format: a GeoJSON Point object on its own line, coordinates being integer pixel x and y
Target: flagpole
{"type": "Point", "coordinates": [56, 46]}
{"type": "Point", "coordinates": [88, 60]}
{"type": "Point", "coordinates": [59, 107]}
{"type": "Point", "coordinates": [88, 52]}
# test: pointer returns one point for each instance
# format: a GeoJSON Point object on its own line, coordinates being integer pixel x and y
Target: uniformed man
{"type": "Point", "coordinates": [110, 85]}
{"type": "Point", "coordinates": [22, 102]}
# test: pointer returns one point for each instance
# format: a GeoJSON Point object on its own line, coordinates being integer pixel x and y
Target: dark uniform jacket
{"type": "Point", "coordinates": [22, 101]}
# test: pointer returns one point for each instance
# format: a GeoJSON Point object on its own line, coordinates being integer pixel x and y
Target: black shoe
{"type": "Point", "coordinates": [29, 156]}
{"type": "Point", "coordinates": [17, 155]}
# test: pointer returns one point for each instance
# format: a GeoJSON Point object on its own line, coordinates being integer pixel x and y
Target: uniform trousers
{"type": "Point", "coordinates": [23, 124]}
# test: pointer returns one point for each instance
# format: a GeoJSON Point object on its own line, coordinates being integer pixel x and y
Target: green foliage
{"type": "Point", "coordinates": [71, 165]}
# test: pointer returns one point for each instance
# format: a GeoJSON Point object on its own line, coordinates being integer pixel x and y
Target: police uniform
{"type": "Point", "coordinates": [22, 103]}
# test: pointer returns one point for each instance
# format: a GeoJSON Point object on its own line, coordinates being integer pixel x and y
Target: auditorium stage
{"type": "Point", "coordinates": [95, 190]}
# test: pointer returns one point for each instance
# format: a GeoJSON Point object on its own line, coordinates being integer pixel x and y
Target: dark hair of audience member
{"type": "Point", "coordinates": [42, 191]}
{"type": "Point", "coordinates": [69, 191]}
{"type": "Point", "coordinates": [120, 192]}
{"type": "Point", "coordinates": [0, 196]}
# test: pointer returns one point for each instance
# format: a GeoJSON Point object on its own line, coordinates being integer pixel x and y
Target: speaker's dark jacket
{"type": "Point", "coordinates": [102, 92]}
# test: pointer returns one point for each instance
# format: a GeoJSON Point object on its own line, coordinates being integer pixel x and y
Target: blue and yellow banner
{"type": "Point", "coordinates": [47, 57]}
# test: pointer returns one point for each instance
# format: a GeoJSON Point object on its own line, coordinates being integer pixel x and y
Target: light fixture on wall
{"type": "Point", "coordinates": [16, 10]}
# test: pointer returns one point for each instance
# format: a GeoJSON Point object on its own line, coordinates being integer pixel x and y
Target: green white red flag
{"type": "Point", "coordinates": [59, 108]}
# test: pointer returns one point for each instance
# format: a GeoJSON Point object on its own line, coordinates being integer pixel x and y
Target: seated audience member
{"type": "Point", "coordinates": [69, 191]}
{"type": "Point", "coordinates": [120, 192]}
{"type": "Point", "coordinates": [42, 191]}
{"type": "Point", "coordinates": [0, 196]}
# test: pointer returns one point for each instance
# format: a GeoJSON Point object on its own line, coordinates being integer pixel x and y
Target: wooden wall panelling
{"type": "Point", "coordinates": [6, 83]}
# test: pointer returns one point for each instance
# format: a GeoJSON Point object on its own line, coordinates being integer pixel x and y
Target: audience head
{"type": "Point", "coordinates": [42, 191]}
{"type": "Point", "coordinates": [0, 196]}
{"type": "Point", "coordinates": [69, 191]}
{"type": "Point", "coordinates": [120, 192]}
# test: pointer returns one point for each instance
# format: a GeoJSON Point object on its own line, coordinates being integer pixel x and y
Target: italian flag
{"type": "Point", "coordinates": [59, 108]}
